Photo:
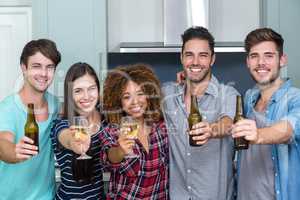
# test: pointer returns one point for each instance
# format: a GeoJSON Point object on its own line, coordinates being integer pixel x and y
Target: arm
{"type": "Point", "coordinates": [221, 127]}
{"type": "Point", "coordinates": [15, 153]}
{"type": "Point", "coordinates": [280, 132]}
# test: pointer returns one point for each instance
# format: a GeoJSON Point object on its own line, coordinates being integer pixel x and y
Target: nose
{"type": "Point", "coordinates": [44, 71]}
{"type": "Point", "coordinates": [134, 99]}
{"type": "Point", "coordinates": [196, 60]}
{"type": "Point", "coordinates": [85, 94]}
{"type": "Point", "coordinates": [261, 60]}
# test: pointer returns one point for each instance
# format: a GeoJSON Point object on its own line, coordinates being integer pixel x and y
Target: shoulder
{"type": "Point", "coordinates": [53, 102]}
{"type": "Point", "coordinates": [221, 88]}
{"type": "Point", "coordinates": [59, 124]}
{"type": "Point", "coordinates": [293, 96]}
{"type": "Point", "coordinates": [228, 89]}
{"type": "Point", "coordinates": [8, 104]}
{"type": "Point", "coordinates": [169, 87]}
{"type": "Point", "coordinates": [160, 126]}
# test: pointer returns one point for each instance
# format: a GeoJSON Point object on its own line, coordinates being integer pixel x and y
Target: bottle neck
{"type": "Point", "coordinates": [194, 104]}
{"type": "Point", "coordinates": [30, 112]}
{"type": "Point", "coordinates": [239, 106]}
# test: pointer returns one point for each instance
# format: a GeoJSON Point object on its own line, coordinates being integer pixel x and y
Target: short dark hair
{"type": "Point", "coordinates": [262, 35]}
{"type": "Point", "coordinates": [198, 32]}
{"type": "Point", "coordinates": [76, 71]}
{"type": "Point", "coordinates": [44, 46]}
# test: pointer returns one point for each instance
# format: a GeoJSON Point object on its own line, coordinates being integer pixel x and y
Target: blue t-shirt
{"type": "Point", "coordinates": [34, 178]}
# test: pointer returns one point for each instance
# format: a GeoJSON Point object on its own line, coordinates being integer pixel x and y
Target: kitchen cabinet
{"type": "Point", "coordinates": [231, 20]}
{"type": "Point", "coordinates": [79, 30]}
{"type": "Point", "coordinates": [139, 21]}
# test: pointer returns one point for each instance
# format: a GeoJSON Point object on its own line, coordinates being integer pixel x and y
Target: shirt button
{"type": "Point", "coordinates": [277, 191]}
{"type": "Point", "coordinates": [189, 187]}
{"type": "Point", "coordinates": [188, 171]}
{"type": "Point", "coordinates": [276, 174]}
{"type": "Point", "coordinates": [188, 154]}
{"type": "Point", "coordinates": [273, 158]}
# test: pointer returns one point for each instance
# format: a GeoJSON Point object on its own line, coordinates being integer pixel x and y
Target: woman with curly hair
{"type": "Point", "coordinates": [135, 91]}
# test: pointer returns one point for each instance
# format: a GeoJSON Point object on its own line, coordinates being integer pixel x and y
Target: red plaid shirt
{"type": "Point", "coordinates": [142, 178]}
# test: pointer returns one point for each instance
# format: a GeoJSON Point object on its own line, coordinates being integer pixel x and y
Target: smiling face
{"type": "Point", "coordinates": [85, 94]}
{"type": "Point", "coordinates": [38, 73]}
{"type": "Point", "coordinates": [197, 58]}
{"type": "Point", "coordinates": [133, 100]}
{"type": "Point", "coordinates": [264, 63]}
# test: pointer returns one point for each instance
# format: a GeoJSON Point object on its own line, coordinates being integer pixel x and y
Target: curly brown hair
{"type": "Point", "coordinates": [117, 80]}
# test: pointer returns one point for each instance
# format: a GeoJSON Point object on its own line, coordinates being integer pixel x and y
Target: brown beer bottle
{"type": "Point", "coordinates": [239, 143]}
{"type": "Point", "coordinates": [31, 128]}
{"type": "Point", "coordinates": [194, 118]}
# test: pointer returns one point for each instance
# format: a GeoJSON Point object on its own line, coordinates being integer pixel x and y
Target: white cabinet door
{"type": "Point", "coordinates": [15, 32]}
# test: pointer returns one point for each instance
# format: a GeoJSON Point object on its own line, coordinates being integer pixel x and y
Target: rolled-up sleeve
{"type": "Point", "coordinates": [228, 101]}
{"type": "Point", "coordinates": [293, 116]}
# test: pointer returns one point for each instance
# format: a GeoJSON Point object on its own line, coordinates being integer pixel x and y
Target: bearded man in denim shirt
{"type": "Point", "coordinates": [200, 172]}
{"type": "Point", "coordinates": [269, 168]}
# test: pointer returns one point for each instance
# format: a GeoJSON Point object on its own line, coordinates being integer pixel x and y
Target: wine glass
{"type": "Point", "coordinates": [81, 125]}
{"type": "Point", "coordinates": [130, 127]}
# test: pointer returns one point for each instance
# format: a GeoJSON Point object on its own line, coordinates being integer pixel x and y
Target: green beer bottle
{"type": "Point", "coordinates": [239, 143]}
{"type": "Point", "coordinates": [194, 118]}
{"type": "Point", "coordinates": [31, 128]}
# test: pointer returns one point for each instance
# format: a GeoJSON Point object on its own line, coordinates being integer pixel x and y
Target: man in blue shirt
{"type": "Point", "coordinates": [269, 168]}
{"type": "Point", "coordinates": [25, 172]}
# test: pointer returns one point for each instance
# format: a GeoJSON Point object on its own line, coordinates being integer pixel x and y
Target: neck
{"type": "Point", "coordinates": [94, 117]}
{"type": "Point", "coordinates": [30, 96]}
{"type": "Point", "coordinates": [267, 91]}
{"type": "Point", "coordinates": [197, 89]}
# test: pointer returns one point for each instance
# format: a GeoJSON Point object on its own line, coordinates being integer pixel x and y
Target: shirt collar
{"type": "Point", "coordinates": [278, 94]}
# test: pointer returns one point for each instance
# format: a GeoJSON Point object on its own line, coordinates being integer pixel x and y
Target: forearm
{"type": "Point", "coordinates": [7, 151]}
{"type": "Point", "coordinates": [278, 133]}
{"type": "Point", "coordinates": [115, 154]}
{"type": "Point", "coordinates": [221, 128]}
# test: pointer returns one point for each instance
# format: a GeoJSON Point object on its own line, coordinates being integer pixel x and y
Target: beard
{"type": "Point", "coordinates": [270, 81]}
{"type": "Point", "coordinates": [199, 78]}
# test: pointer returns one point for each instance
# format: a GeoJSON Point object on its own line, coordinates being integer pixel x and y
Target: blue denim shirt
{"type": "Point", "coordinates": [284, 105]}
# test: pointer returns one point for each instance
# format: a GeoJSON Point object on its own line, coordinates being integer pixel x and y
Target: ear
{"type": "Point", "coordinates": [23, 67]}
{"type": "Point", "coordinates": [247, 62]}
{"type": "Point", "coordinates": [213, 58]}
{"type": "Point", "coordinates": [283, 60]}
{"type": "Point", "coordinates": [181, 57]}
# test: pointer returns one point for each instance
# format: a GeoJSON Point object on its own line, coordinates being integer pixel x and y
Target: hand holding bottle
{"type": "Point", "coordinates": [25, 149]}
{"type": "Point", "coordinates": [245, 128]}
{"type": "Point", "coordinates": [200, 133]}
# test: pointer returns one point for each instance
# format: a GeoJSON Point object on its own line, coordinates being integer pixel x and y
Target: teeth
{"type": "Point", "coordinates": [42, 81]}
{"type": "Point", "coordinates": [136, 109]}
{"type": "Point", "coordinates": [262, 71]}
{"type": "Point", "coordinates": [195, 69]}
{"type": "Point", "coordinates": [85, 103]}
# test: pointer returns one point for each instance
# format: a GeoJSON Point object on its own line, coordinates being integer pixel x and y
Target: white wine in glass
{"type": "Point", "coordinates": [80, 124]}
{"type": "Point", "coordinates": [132, 128]}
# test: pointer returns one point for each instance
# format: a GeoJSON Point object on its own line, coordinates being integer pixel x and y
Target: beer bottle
{"type": "Point", "coordinates": [239, 143]}
{"type": "Point", "coordinates": [31, 128]}
{"type": "Point", "coordinates": [194, 118]}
